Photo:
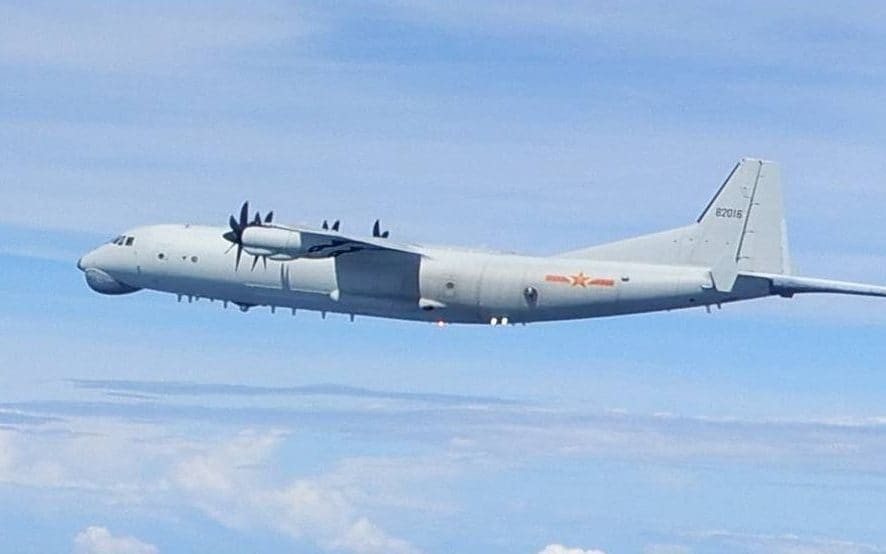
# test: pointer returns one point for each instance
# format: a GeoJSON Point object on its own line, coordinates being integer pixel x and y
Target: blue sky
{"type": "Point", "coordinates": [139, 425]}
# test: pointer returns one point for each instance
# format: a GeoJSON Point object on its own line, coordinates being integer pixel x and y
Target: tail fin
{"type": "Point", "coordinates": [764, 244]}
{"type": "Point", "coordinates": [745, 222]}
{"type": "Point", "coordinates": [742, 229]}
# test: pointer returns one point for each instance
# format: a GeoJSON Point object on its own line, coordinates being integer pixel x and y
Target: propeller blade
{"type": "Point", "coordinates": [336, 225]}
{"type": "Point", "coordinates": [264, 261]}
{"type": "Point", "coordinates": [235, 235]}
{"type": "Point", "coordinates": [376, 229]}
{"type": "Point", "coordinates": [386, 234]}
{"type": "Point", "coordinates": [325, 225]}
{"type": "Point", "coordinates": [244, 215]}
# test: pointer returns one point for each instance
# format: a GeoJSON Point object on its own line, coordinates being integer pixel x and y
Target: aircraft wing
{"type": "Point", "coordinates": [261, 238]}
{"type": "Point", "coordinates": [332, 244]}
{"type": "Point", "coordinates": [284, 242]}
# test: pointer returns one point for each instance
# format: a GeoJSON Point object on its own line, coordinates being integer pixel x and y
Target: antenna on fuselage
{"type": "Point", "coordinates": [377, 233]}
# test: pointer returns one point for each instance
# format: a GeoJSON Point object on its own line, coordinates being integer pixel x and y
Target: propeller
{"type": "Point", "coordinates": [335, 225]}
{"type": "Point", "coordinates": [235, 235]}
{"type": "Point", "coordinates": [377, 232]}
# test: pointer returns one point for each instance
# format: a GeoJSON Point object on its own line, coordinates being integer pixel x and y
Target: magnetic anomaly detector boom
{"type": "Point", "coordinates": [736, 250]}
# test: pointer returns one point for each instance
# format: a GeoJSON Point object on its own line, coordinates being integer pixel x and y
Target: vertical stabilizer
{"type": "Point", "coordinates": [720, 228]}
{"type": "Point", "coordinates": [741, 229]}
{"type": "Point", "coordinates": [764, 244]}
{"type": "Point", "coordinates": [745, 221]}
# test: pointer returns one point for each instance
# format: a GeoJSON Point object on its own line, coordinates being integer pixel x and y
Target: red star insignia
{"type": "Point", "coordinates": [580, 280]}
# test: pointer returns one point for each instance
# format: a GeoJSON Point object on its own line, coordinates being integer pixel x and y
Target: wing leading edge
{"type": "Point", "coordinates": [333, 244]}
{"type": "Point", "coordinates": [284, 241]}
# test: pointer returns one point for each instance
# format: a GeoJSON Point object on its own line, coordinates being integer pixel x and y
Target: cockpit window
{"type": "Point", "coordinates": [123, 240]}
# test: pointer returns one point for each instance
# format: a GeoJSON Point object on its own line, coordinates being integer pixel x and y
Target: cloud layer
{"type": "Point", "coordinates": [224, 461]}
{"type": "Point", "coordinates": [98, 540]}
{"type": "Point", "coordinates": [560, 549]}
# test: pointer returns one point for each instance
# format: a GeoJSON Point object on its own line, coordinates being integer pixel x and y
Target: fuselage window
{"type": "Point", "coordinates": [129, 241]}
{"type": "Point", "coordinates": [161, 255]}
{"type": "Point", "coordinates": [194, 259]}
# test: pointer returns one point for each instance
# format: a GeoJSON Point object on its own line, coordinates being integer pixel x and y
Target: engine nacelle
{"type": "Point", "coordinates": [278, 244]}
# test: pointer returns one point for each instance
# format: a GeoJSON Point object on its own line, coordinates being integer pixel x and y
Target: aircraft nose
{"type": "Point", "coordinates": [86, 261]}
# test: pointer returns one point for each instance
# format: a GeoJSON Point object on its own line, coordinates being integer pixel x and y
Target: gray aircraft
{"type": "Point", "coordinates": [736, 250]}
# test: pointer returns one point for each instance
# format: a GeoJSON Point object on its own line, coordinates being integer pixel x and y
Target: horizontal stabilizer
{"type": "Point", "coordinates": [786, 285]}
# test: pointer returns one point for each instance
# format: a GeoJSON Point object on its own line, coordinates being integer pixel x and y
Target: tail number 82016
{"type": "Point", "coordinates": [730, 213]}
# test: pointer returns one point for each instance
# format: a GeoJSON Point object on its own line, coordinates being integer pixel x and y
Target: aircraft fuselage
{"type": "Point", "coordinates": [737, 249]}
{"type": "Point", "coordinates": [442, 285]}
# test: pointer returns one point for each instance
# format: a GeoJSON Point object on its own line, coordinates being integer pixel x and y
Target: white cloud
{"type": "Point", "coordinates": [131, 37]}
{"type": "Point", "coordinates": [236, 480]}
{"type": "Point", "coordinates": [667, 30]}
{"type": "Point", "coordinates": [233, 480]}
{"type": "Point", "coordinates": [364, 537]}
{"type": "Point", "coordinates": [19, 464]}
{"type": "Point", "coordinates": [125, 460]}
{"type": "Point", "coordinates": [667, 549]}
{"type": "Point", "coordinates": [228, 482]}
{"type": "Point", "coordinates": [785, 544]}
{"type": "Point", "coordinates": [98, 540]}
{"type": "Point", "coordinates": [7, 457]}
{"type": "Point", "coordinates": [560, 549]}
{"type": "Point", "coordinates": [141, 459]}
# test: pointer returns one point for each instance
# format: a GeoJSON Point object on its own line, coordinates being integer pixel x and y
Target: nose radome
{"type": "Point", "coordinates": [86, 261]}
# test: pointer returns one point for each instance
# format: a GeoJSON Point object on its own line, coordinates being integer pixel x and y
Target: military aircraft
{"type": "Point", "coordinates": [736, 250]}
